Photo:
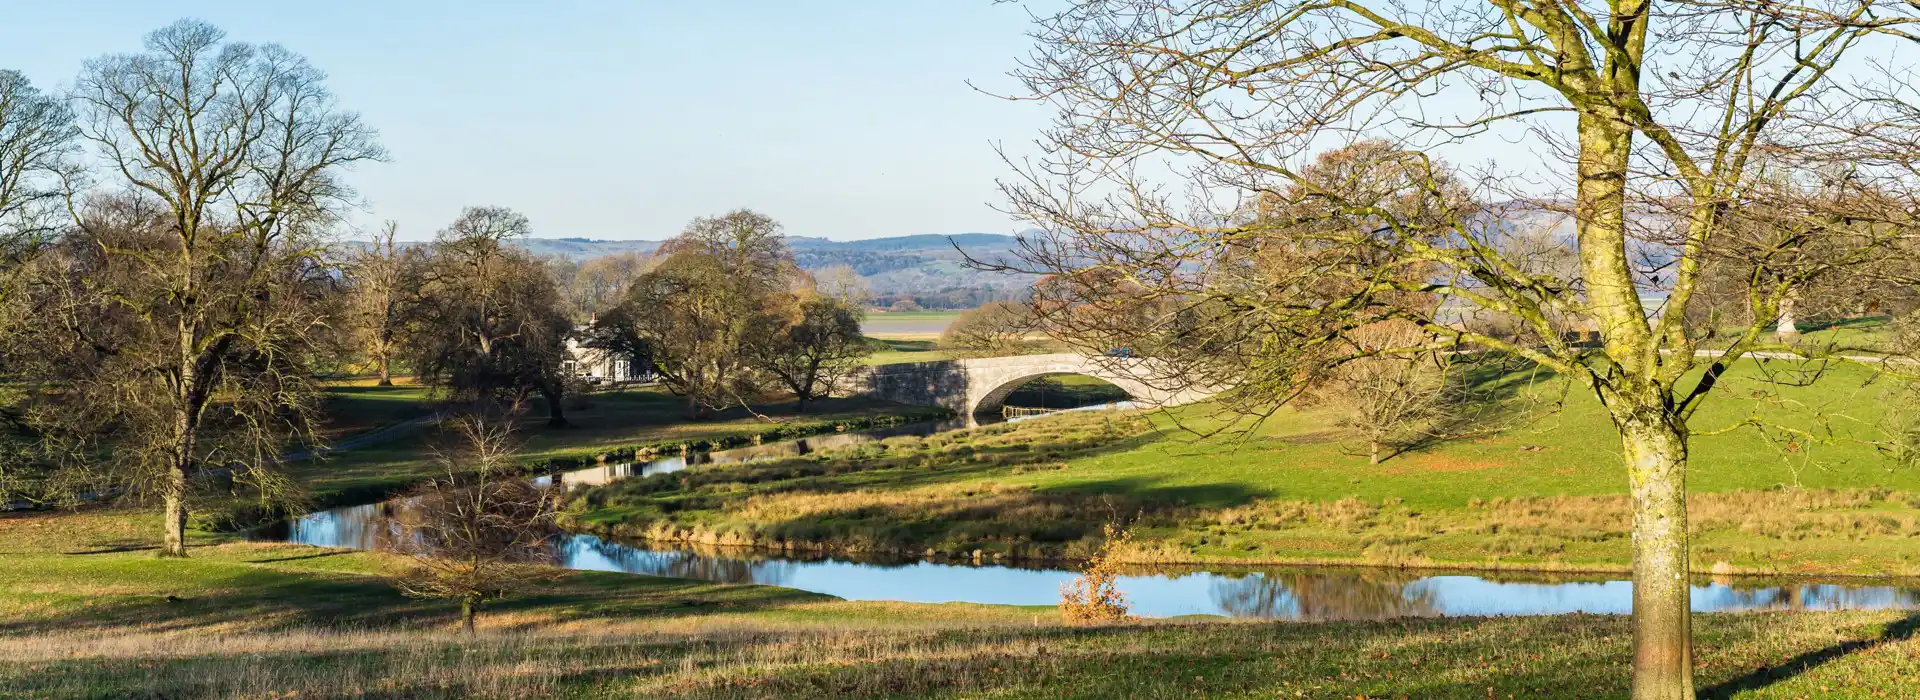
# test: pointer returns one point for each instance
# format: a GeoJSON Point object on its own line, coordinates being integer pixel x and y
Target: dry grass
{"type": "Point", "coordinates": [1775, 655]}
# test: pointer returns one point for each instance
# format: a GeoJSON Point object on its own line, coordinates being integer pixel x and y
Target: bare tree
{"type": "Point", "coordinates": [482, 532]}
{"type": "Point", "coordinates": [485, 318]}
{"type": "Point", "coordinates": [843, 284]}
{"type": "Point", "coordinates": [694, 315]}
{"type": "Point", "coordinates": [37, 138]}
{"type": "Point", "coordinates": [996, 328]}
{"type": "Point", "coordinates": [601, 282]}
{"type": "Point", "coordinates": [1392, 401]}
{"type": "Point", "coordinates": [36, 169]}
{"type": "Point", "coordinates": [238, 149]}
{"type": "Point", "coordinates": [377, 298]}
{"type": "Point", "coordinates": [809, 343]}
{"type": "Point", "coordinates": [1656, 116]}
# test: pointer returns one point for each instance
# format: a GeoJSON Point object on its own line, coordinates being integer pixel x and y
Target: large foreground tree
{"type": "Point", "coordinates": [232, 154]}
{"type": "Point", "coordinates": [1769, 143]}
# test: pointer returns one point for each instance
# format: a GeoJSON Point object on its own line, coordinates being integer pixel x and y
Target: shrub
{"type": "Point", "coordinates": [1094, 597]}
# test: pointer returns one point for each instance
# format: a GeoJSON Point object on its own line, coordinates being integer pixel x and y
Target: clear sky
{"type": "Point", "coordinates": [841, 118]}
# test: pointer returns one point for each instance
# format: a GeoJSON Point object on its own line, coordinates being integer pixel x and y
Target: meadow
{"type": "Point", "coordinates": [87, 611]}
{"type": "Point", "coordinates": [1785, 479]}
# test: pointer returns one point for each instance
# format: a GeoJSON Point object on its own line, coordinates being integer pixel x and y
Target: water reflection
{"type": "Point", "coordinates": [1313, 594]}
{"type": "Point", "coordinates": [608, 473]}
{"type": "Point", "coordinates": [1325, 595]}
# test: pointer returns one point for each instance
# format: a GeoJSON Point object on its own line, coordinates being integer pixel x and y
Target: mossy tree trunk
{"type": "Point", "coordinates": [1656, 454]}
{"type": "Point", "coordinates": [467, 606]}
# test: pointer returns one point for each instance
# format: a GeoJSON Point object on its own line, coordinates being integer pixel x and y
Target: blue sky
{"type": "Point", "coordinates": [611, 119]}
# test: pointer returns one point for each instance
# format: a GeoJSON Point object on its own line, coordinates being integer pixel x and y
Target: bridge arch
{"type": "Point", "coordinates": [972, 385]}
{"type": "Point", "coordinates": [989, 399]}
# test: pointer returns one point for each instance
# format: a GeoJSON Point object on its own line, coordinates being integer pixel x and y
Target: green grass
{"type": "Point", "coordinates": [361, 406]}
{"type": "Point", "coordinates": [1547, 492]}
{"type": "Point", "coordinates": [86, 611]}
{"type": "Point", "coordinates": [1866, 333]}
{"type": "Point", "coordinates": [611, 420]}
{"type": "Point", "coordinates": [892, 351]}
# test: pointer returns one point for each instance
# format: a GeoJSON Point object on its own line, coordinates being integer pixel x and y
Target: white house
{"type": "Point", "coordinates": [598, 364]}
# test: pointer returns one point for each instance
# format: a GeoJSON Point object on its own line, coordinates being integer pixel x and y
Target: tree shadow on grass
{"type": "Point", "coordinates": [258, 598]}
{"type": "Point", "coordinates": [116, 548]}
{"type": "Point", "coordinates": [301, 557]}
{"type": "Point", "coordinates": [1899, 631]}
{"type": "Point", "coordinates": [1493, 397]}
{"type": "Point", "coordinates": [604, 595]}
{"type": "Point", "coordinates": [1823, 324]}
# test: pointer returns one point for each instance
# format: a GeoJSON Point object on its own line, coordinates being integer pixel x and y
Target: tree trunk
{"type": "Point", "coordinates": [174, 520]}
{"type": "Point", "coordinates": [556, 413]}
{"type": "Point", "coordinates": [1656, 455]}
{"type": "Point", "coordinates": [802, 406]}
{"type": "Point", "coordinates": [1373, 451]}
{"type": "Point", "coordinates": [386, 372]}
{"type": "Point", "coordinates": [1787, 331]}
{"type": "Point", "coordinates": [174, 489]}
{"type": "Point", "coordinates": [466, 614]}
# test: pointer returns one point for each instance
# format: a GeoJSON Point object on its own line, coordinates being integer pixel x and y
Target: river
{"type": "Point", "coordinates": [1264, 592]}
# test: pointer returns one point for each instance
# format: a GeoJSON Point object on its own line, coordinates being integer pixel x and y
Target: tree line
{"type": "Point", "coordinates": [173, 278]}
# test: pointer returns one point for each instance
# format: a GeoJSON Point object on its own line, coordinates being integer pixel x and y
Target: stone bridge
{"type": "Point", "coordinates": [982, 385]}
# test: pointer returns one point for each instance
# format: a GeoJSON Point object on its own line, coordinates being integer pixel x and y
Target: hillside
{"type": "Point", "coordinates": [927, 268]}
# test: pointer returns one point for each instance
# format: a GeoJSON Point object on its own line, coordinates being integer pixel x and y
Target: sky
{"type": "Point", "coordinates": [841, 119]}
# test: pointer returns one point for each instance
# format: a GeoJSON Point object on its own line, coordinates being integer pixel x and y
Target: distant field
{"type": "Point", "coordinates": [923, 324]}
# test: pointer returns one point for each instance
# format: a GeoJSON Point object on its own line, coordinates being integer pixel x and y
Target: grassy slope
{"type": "Point", "coordinates": [1547, 493]}
{"type": "Point", "coordinates": [85, 611]}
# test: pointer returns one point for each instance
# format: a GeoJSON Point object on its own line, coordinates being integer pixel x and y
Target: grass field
{"type": "Point", "coordinates": [914, 315]}
{"type": "Point", "coordinates": [610, 420]}
{"type": "Point", "coordinates": [359, 406]}
{"type": "Point", "coordinates": [890, 351]}
{"type": "Point", "coordinates": [1811, 493]}
{"type": "Point", "coordinates": [1868, 333]}
{"type": "Point", "coordinates": [86, 611]}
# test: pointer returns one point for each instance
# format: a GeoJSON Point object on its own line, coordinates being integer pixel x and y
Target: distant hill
{"type": "Point", "coordinates": [926, 268]}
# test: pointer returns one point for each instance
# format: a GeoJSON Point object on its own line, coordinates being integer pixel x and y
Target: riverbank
{"type": "Point", "coordinates": [612, 427]}
{"type": "Point", "coordinates": [1546, 495]}
{"type": "Point", "coordinates": [249, 620]}
{"type": "Point", "coordinates": [87, 611]}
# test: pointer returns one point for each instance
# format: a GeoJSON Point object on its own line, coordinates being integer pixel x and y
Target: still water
{"type": "Point", "coordinates": [1314, 594]}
